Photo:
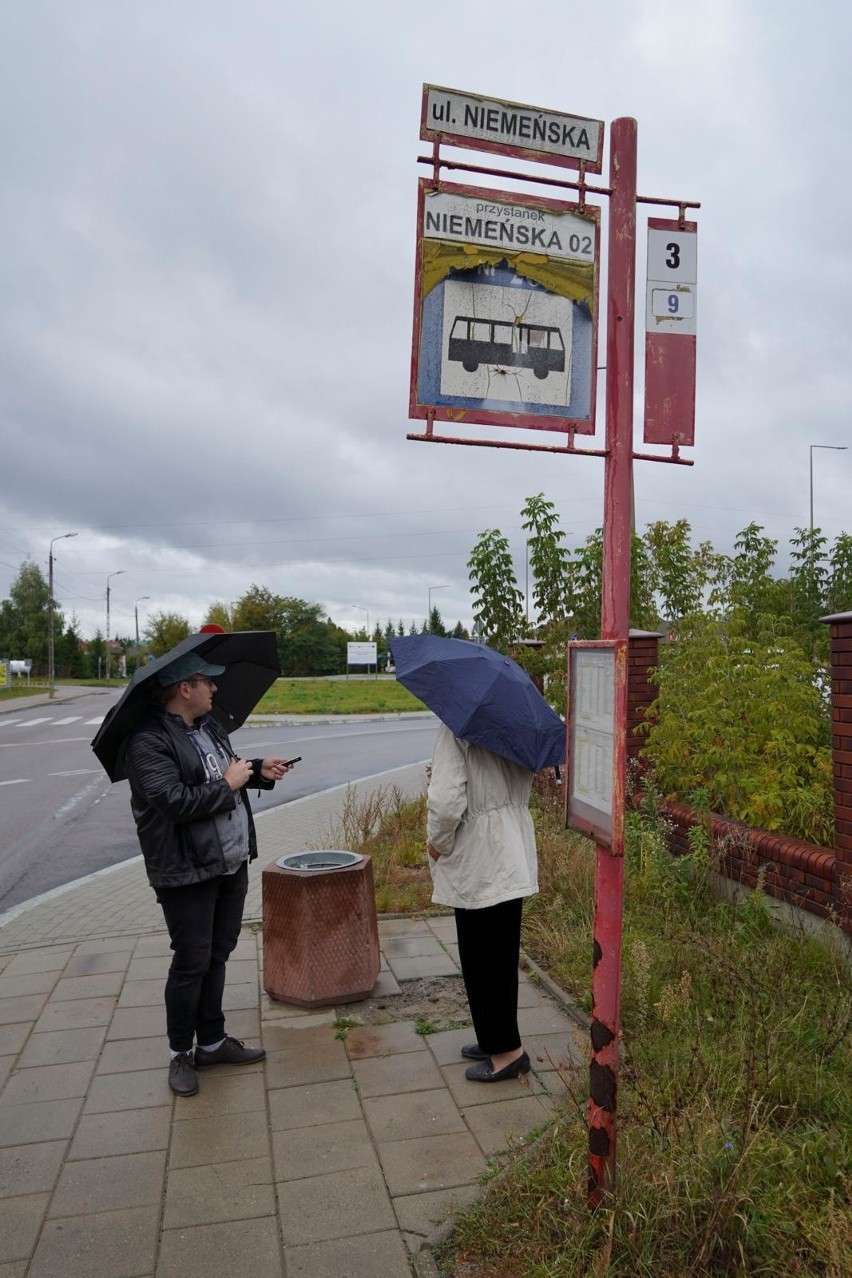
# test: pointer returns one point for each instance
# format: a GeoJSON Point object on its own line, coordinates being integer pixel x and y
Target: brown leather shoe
{"type": "Point", "coordinates": [183, 1079]}
{"type": "Point", "coordinates": [231, 1052]}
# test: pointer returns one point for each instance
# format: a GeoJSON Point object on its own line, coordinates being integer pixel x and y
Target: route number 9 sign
{"type": "Point", "coordinates": [670, 331]}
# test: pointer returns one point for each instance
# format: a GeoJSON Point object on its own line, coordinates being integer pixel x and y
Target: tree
{"type": "Point", "coordinates": [498, 603]}
{"type": "Point", "coordinates": [678, 573]}
{"type": "Point", "coordinates": [436, 623]}
{"type": "Point", "coordinates": [220, 614]}
{"type": "Point", "coordinates": [739, 721]}
{"type": "Point", "coordinates": [840, 575]}
{"type": "Point", "coordinates": [259, 609]}
{"type": "Point", "coordinates": [309, 643]}
{"type": "Point", "coordinates": [24, 617]}
{"type": "Point", "coordinates": [809, 590]}
{"type": "Point", "coordinates": [164, 630]}
{"type": "Point", "coordinates": [548, 560]}
{"type": "Point", "coordinates": [585, 572]}
{"type": "Point", "coordinates": [69, 656]}
{"type": "Point", "coordinates": [96, 656]}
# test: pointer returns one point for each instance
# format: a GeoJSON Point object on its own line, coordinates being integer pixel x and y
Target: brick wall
{"type": "Point", "coordinates": [840, 659]}
{"type": "Point", "coordinates": [642, 657]}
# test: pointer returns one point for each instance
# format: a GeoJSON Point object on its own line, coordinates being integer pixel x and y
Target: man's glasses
{"type": "Point", "coordinates": [211, 683]}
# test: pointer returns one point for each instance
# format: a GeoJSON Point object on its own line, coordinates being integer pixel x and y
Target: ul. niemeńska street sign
{"type": "Point", "coordinates": [511, 128]}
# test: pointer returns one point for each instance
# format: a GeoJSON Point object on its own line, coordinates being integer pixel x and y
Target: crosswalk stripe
{"type": "Point", "coordinates": [30, 723]}
{"type": "Point", "coordinates": [8, 723]}
{"type": "Point", "coordinates": [95, 722]}
{"type": "Point", "coordinates": [72, 718]}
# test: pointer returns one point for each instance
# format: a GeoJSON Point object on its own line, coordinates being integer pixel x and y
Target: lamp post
{"type": "Point", "coordinates": [361, 608]}
{"type": "Point", "coordinates": [836, 448]}
{"type": "Point", "coordinates": [51, 689]}
{"type": "Point", "coordinates": [429, 612]}
{"type": "Point", "coordinates": [136, 615]}
{"type": "Point", "coordinates": [109, 578]}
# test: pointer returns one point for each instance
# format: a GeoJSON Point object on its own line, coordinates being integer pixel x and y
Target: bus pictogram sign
{"type": "Point", "coordinates": [505, 309]}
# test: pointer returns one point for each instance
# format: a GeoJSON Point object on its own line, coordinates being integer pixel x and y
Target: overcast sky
{"type": "Point", "coordinates": [207, 220]}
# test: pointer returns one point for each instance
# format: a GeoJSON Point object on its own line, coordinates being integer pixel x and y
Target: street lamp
{"type": "Point", "coordinates": [836, 448]}
{"type": "Point", "coordinates": [51, 689]}
{"type": "Point", "coordinates": [361, 608]}
{"type": "Point", "coordinates": [109, 578]}
{"type": "Point", "coordinates": [429, 612]}
{"type": "Point", "coordinates": [136, 615]}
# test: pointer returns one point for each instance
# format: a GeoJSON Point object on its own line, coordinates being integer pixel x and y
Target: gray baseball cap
{"type": "Point", "coordinates": [185, 667]}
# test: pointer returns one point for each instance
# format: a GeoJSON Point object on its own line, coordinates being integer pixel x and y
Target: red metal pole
{"type": "Point", "coordinates": [615, 623]}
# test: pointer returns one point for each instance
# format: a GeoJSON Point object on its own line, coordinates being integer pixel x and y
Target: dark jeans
{"type": "Point", "coordinates": [204, 921]}
{"type": "Point", "coordinates": [489, 952]}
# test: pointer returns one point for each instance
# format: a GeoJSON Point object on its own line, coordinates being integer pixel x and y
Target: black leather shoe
{"type": "Point", "coordinates": [484, 1071]}
{"type": "Point", "coordinates": [231, 1052]}
{"type": "Point", "coordinates": [183, 1079]}
{"type": "Point", "coordinates": [474, 1052]}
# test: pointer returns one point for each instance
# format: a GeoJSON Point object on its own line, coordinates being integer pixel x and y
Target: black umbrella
{"type": "Point", "coordinates": [252, 666]}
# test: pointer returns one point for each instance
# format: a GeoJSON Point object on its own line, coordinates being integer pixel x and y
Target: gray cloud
{"type": "Point", "coordinates": [206, 286]}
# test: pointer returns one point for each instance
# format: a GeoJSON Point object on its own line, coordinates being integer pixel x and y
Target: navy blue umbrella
{"type": "Point", "coordinates": [483, 697]}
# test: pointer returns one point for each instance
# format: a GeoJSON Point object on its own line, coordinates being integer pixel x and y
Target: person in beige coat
{"type": "Point", "coordinates": [481, 842]}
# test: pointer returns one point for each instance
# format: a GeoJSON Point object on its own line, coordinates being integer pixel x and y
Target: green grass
{"type": "Point", "coordinates": [290, 696]}
{"type": "Point", "coordinates": [735, 1092]}
{"type": "Point", "coordinates": [337, 696]}
{"type": "Point", "coordinates": [22, 690]}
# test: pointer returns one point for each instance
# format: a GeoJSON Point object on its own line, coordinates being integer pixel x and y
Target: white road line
{"type": "Point", "coordinates": [30, 723]}
{"type": "Point", "coordinates": [8, 723]}
{"type": "Point", "coordinates": [19, 781]}
{"type": "Point", "coordinates": [75, 772]}
{"type": "Point", "coordinates": [71, 719]}
{"type": "Point", "coordinates": [97, 721]}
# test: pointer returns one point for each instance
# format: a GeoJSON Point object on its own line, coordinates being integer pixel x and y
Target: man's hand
{"type": "Point", "coordinates": [273, 769]}
{"type": "Point", "coordinates": [433, 851]}
{"type": "Point", "coordinates": [238, 773]}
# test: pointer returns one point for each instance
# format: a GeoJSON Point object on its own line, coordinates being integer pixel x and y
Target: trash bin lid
{"type": "Point", "coordinates": [324, 860]}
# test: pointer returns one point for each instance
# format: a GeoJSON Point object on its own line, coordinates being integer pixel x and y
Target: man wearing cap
{"type": "Point", "coordinates": [195, 828]}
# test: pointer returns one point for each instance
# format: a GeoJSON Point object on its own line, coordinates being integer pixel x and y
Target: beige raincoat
{"type": "Point", "coordinates": [478, 819]}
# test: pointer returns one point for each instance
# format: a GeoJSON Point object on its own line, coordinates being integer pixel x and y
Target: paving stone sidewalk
{"type": "Point", "coordinates": [334, 1158]}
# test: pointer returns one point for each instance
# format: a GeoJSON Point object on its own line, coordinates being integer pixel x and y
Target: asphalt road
{"type": "Point", "coordinates": [61, 818]}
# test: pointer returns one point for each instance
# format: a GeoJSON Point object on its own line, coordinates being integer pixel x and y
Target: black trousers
{"type": "Point", "coordinates": [204, 921]}
{"type": "Point", "coordinates": [489, 952]}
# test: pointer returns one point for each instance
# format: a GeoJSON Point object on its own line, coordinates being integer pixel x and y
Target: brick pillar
{"type": "Point", "coordinates": [840, 648]}
{"type": "Point", "coordinates": [642, 656]}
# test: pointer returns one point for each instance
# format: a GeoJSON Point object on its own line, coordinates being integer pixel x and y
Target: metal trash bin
{"type": "Point", "coordinates": [320, 930]}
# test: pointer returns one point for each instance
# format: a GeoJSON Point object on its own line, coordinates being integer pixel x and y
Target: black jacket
{"type": "Point", "coordinates": [174, 804]}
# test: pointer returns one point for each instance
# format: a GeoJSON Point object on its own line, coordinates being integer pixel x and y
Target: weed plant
{"type": "Point", "coordinates": [735, 1097]}
{"type": "Point", "coordinates": [392, 832]}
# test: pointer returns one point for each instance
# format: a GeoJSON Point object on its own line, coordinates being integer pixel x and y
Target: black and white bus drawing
{"type": "Point", "coordinates": [517, 345]}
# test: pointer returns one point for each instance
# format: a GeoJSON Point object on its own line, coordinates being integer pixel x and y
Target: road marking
{"type": "Point", "coordinates": [75, 772]}
{"type": "Point", "coordinates": [30, 723]}
{"type": "Point", "coordinates": [71, 719]}
{"type": "Point", "coordinates": [20, 781]}
{"type": "Point", "coordinates": [95, 722]}
{"type": "Point", "coordinates": [79, 797]}
{"type": "Point", "coordinates": [7, 723]}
